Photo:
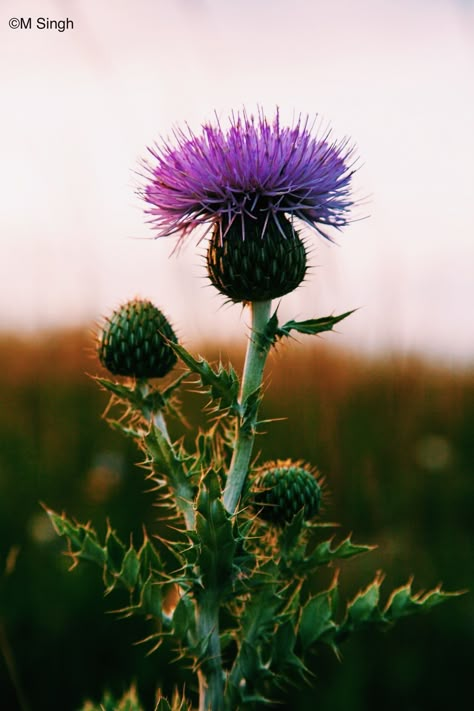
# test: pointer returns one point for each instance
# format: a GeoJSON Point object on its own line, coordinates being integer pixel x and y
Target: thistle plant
{"type": "Point", "coordinates": [234, 586]}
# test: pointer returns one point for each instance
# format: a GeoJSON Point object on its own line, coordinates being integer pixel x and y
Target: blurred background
{"type": "Point", "coordinates": [384, 407]}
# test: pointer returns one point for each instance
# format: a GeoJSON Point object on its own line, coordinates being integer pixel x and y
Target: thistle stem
{"type": "Point", "coordinates": [160, 422]}
{"type": "Point", "coordinates": [179, 484]}
{"type": "Point", "coordinates": [257, 351]}
{"type": "Point", "coordinates": [210, 673]}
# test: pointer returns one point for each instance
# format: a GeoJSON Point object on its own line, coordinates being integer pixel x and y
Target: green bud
{"type": "Point", "coordinates": [134, 341]}
{"type": "Point", "coordinates": [256, 264]}
{"type": "Point", "coordinates": [281, 489]}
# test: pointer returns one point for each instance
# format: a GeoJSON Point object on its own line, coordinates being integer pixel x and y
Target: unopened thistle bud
{"type": "Point", "coordinates": [269, 262]}
{"type": "Point", "coordinates": [281, 489]}
{"type": "Point", "coordinates": [135, 341]}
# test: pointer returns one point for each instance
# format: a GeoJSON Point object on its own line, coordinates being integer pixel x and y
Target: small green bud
{"type": "Point", "coordinates": [281, 489]}
{"type": "Point", "coordinates": [134, 341]}
{"type": "Point", "coordinates": [265, 262]}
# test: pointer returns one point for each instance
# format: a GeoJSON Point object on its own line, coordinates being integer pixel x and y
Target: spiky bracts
{"type": "Point", "coordinates": [256, 268]}
{"type": "Point", "coordinates": [283, 488]}
{"type": "Point", "coordinates": [135, 341]}
{"type": "Point", "coordinates": [256, 169]}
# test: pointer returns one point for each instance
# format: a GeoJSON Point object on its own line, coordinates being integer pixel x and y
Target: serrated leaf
{"type": "Point", "coordinates": [82, 539]}
{"type": "Point", "coordinates": [138, 572]}
{"type": "Point", "coordinates": [128, 702]}
{"type": "Point", "coordinates": [178, 703]}
{"type": "Point", "coordinates": [122, 391]}
{"type": "Point", "coordinates": [316, 619]}
{"type": "Point", "coordinates": [166, 461]}
{"type": "Point", "coordinates": [324, 552]}
{"type": "Point", "coordinates": [130, 569]}
{"type": "Point", "coordinates": [184, 618]}
{"type": "Point", "coordinates": [283, 654]}
{"type": "Point", "coordinates": [290, 534]}
{"type": "Point", "coordinates": [403, 603]}
{"type": "Point", "coordinates": [144, 398]}
{"type": "Point", "coordinates": [221, 383]}
{"type": "Point", "coordinates": [311, 326]}
{"type": "Point", "coordinates": [250, 409]}
{"type": "Point", "coordinates": [151, 599]}
{"type": "Point", "coordinates": [115, 549]}
{"type": "Point", "coordinates": [215, 535]}
{"type": "Point", "coordinates": [364, 607]}
{"type": "Point", "coordinates": [150, 561]}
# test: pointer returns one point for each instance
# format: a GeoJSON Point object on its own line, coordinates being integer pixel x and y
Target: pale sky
{"type": "Point", "coordinates": [80, 107]}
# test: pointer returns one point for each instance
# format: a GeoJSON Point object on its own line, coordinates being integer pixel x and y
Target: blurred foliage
{"type": "Point", "coordinates": [394, 439]}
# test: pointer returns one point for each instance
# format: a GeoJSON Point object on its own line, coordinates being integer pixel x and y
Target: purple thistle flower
{"type": "Point", "coordinates": [255, 170]}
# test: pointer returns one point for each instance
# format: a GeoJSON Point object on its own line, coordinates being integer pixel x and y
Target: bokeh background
{"type": "Point", "coordinates": [385, 407]}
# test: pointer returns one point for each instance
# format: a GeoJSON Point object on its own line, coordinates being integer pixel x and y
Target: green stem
{"type": "Point", "coordinates": [257, 351]}
{"type": "Point", "coordinates": [160, 422]}
{"type": "Point", "coordinates": [210, 673]}
{"type": "Point", "coordinates": [180, 485]}
{"type": "Point", "coordinates": [155, 416]}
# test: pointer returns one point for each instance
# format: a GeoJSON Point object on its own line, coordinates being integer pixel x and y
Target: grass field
{"type": "Point", "coordinates": [394, 440]}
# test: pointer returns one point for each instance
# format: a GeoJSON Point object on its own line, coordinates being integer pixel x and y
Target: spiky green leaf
{"type": "Point", "coordinates": [316, 621]}
{"type": "Point", "coordinates": [216, 540]}
{"type": "Point", "coordinates": [311, 326]}
{"type": "Point", "coordinates": [403, 602]}
{"type": "Point", "coordinates": [365, 605]}
{"type": "Point", "coordinates": [221, 383]}
{"type": "Point", "coordinates": [128, 702]}
{"type": "Point", "coordinates": [139, 572]}
{"type": "Point", "coordinates": [324, 552]}
{"type": "Point", "coordinates": [168, 462]}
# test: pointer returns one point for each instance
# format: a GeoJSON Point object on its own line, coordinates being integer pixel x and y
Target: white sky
{"type": "Point", "coordinates": [80, 107]}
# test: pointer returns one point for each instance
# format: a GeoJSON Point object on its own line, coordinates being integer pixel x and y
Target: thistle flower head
{"type": "Point", "coordinates": [283, 488]}
{"type": "Point", "coordinates": [135, 341]}
{"type": "Point", "coordinates": [255, 171]}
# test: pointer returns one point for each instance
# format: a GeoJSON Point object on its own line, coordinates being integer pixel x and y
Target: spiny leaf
{"type": "Point", "coordinates": [115, 549]}
{"type": "Point", "coordinates": [128, 702]}
{"type": "Point", "coordinates": [167, 461]}
{"type": "Point", "coordinates": [184, 618]}
{"type": "Point", "coordinates": [291, 532]}
{"type": "Point", "coordinates": [143, 399]}
{"type": "Point", "coordinates": [138, 572]}
{"type": "Point", "coordinates": [364, 607]}
{"type": "Point", "coordinates": [82, 539]}
{"type": "Point", "coordinates": [215, 535]}
{"type": "Point", "coordinates": [178, 703]}
{"type": "Point", "coordinates": [249, 412]}
{"type": "Point", "coordinates": [151, 597]}
{"type": "Point", "coordinates": [122, 391]}
{"type": "Point", "coordinates": [130, 569]}
{"type": "Point", "coordinates": [316, 621]}
{"type": "Point", "coordinates": [283, 655]}
{"type": "Point", "coordinates": [402, 602]}
{"type": "Point", "coordinates": [324, 553]}
{"type": "Point", "coordinates": [221, 383]}
{"type": "Point", "coordinates": [311, 326]}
